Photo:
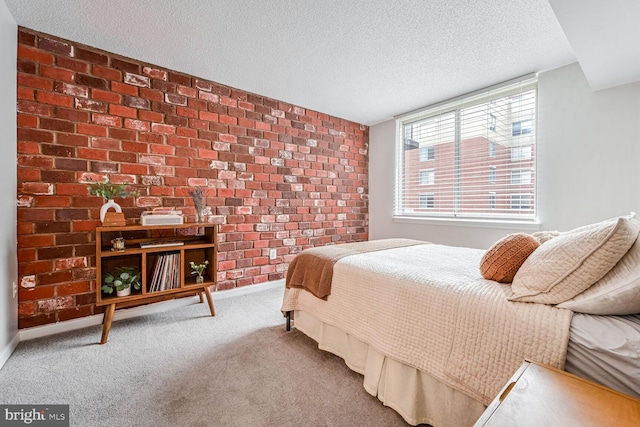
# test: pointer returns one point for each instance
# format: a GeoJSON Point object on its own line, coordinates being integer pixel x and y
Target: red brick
{"type": "Point", "coordinates": [122, 65]}
{"type": "Point", "coordinates": [161, 128]}
{"type": "Point", "coordinates": [27, 52]}
{"type": "Point", "coordinates": [71, 189]}
{"type": "Point", "coordinates": [106, 96]}
{"type": "Point", "coordinates": [119, 110]}
{"type": "Point", "coordinates": [136, 80]}
{"type": "Point", "coordinates": [34, 161]}
{"type": "Point", "coordinates": [72, 139]}
{"type": "Point", "coordinates": [54, 99]}
{"type": "Point", "coordinates": [136, 102]}
{"type": "Point", "coordinates": [137, 125]}
{"type": "Point", "coordinates": [37, 188]}
{"type": "Point", "coordinates": [72, 115]}
{"type": "Point", "coordinates": [27, 121]}
{"type": "Point", "coordinates": [151, 116]}
{"type": "Point", "coordinates": [90, 105]}
{"type": "Point", "coordinates": [26, 38]}
{"type": "Point", "coordinates": [92, 154]}
{"type": "Point", "coordinates": [38, 320]}
{"type": "Point", "coordinates": [34, 82]}
{"type": "Point", "coordinates": [106, 120]}
{"type": "Point", "coordinates": [34, 294]}
{"type": "Point", "coordinates": [119, 133]}
{"type": "Point", "coordinates": [26, 94]}
{"type": "Point", "coordinates": [137, 147]}
{"type": "Point", "coordinates": [187, 91]}
{"type": "Point", "coordinates": [35, 241]}
{"type": "Point", "coordinates": [73, 90]}
{"type": "Point", "coordinates": [34, 108]}
{"type": "Point", "coordinates": [124, 88]}
{"type": "Point", "coordinates": [154, 73]}
{"type": "Point", "coordinates": [26, 309]}
{"type": "Point", "coordinates": [107, 73]}
{"type": "Point", "coordinates": [55, 46]}
{"type": "Point", "coordinates": [91, 56]}
{"type": "Point", "coordinates": [75, 312]}
{"type": "Point", "coordinates": [72, 64]}
{"type": "Point", "coordinates": [94, 130]}
{"type": "Point", "coordinates": [150, 94]}
{"type": "Point", "coordinates": [52, 201]}
{"type": "Point", "coordinates": [55, 124]}
{"type": "Point", "coordinates": [36, 267]}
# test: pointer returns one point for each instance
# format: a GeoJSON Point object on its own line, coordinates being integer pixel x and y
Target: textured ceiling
{"type": "Point", "coordinates": [363, 60]}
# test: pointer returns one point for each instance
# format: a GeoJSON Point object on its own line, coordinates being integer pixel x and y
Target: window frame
{"type": "Point", "coordinates": [431, 172]}
{"type": "Point", "coordinates": [404, 213]}
{"type": "Point", "coordinates": [427, 196]}
{"type": "Point", "coordinates": [431, 153]}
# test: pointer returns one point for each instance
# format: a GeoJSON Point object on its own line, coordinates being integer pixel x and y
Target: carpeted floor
{"type": "Point", "coordinates": [183, 367]}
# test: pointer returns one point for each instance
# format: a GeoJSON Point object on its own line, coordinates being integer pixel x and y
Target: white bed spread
{"type": "Point", "coordinates": [427, 306]}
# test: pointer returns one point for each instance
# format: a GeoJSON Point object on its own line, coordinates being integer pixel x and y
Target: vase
{"type": "Point", "coordinates": [109, 204]}
{"type": "Point", "coordinates": [125, 292]}
{"type": "Point", "coordinates": [199, 278]}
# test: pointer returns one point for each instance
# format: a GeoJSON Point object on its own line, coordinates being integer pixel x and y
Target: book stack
{"type": "Point", "coordinates": [166, 272]}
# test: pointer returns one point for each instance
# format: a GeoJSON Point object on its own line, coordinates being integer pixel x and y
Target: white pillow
{"type": "Point", "coordinates": [617, 293]}
{"type": "Point", "coordinates": [566, 265]}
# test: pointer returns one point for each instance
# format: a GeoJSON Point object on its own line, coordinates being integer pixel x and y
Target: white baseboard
{"type": "Point", "coordinates": [5, 353]}
{"type": "Point", "coordinates": [125, 313]}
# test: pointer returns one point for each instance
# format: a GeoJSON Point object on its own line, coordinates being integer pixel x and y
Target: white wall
{"type": "Point", "coordinates": [588, 163]}
{"type": "Point", "coordinates": [8, 248]}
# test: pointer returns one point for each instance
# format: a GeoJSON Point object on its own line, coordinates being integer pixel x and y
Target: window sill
{"type": "Point", "coordinates": [476, 223]}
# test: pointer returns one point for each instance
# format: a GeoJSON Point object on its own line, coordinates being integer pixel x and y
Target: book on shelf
{"type": "Point", "coordinates": [161, 243]}
{"type": "Point", "coordinates": [166, 272]}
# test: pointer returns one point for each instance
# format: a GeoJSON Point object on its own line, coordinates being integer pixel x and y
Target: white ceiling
{"type": "Point", "coordinates": [363, 60]}
{"type": "Point", "coordinates": [605, 36]}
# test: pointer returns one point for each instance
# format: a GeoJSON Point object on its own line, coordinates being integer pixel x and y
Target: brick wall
{"type": "Point", "coordinates": [277, 175]}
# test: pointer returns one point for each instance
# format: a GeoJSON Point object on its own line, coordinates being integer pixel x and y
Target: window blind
{"type": "Point", "coordinates": [471, 157]}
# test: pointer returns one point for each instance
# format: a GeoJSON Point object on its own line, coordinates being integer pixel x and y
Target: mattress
{"type": "Point", "coordinates": [606, 350]}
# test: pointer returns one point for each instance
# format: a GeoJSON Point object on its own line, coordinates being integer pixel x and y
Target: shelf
{"type": "Point", "coordinates": [197, 247]}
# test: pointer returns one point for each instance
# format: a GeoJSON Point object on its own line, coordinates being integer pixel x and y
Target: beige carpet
{"type": "Point", "coordinates": [184, 368]}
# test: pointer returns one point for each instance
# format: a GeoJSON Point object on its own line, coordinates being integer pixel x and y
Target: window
{"type": "Point", "coordinates": [427, 176]}
{"type": "Point", "coordinates": [521, 201]}
{"type": "Point", "coordinates": [521, 176]}
{"type": "Point", "coordinates": [521, 153]}
{"type": "Point", "coordinates": [427, 153]}
{"type": "Point", "coordinates": [522, 127]}
{"type": "Point", "coordinates": [473, 182]}
{"type": "Point", "coordinates": [492, 200]}
{"type": "Point", "coordinates": [427, 201]}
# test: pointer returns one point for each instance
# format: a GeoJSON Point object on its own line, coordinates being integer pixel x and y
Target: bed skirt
{"type": "Point", "coordinates": [415, 395]}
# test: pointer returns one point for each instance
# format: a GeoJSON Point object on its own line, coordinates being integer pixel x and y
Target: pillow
{"type": "Point", "coordinates": [617, 293]}
{"type": "Point", "coordinates": [504, 258]}
{"type": "Point", "coordinates": [544, 236]}
{"type": "Point", "coordinates": [566, 265]}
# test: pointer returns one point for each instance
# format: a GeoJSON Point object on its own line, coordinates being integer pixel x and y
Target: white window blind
{"type": "Point", "coordinates": [481, 150]}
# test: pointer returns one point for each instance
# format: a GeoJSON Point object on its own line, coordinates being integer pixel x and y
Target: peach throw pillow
{"type": "Point", "coordinates": [502, 261]}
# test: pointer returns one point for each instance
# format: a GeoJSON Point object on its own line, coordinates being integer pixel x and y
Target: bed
{"type": "Point", "coordinates": [436, 341]}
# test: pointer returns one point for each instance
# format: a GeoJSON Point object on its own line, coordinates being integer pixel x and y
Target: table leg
{"type": "Point", "coordinates": [207, 293]}
{"type": "Point", "coordinates": [106, 323]}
